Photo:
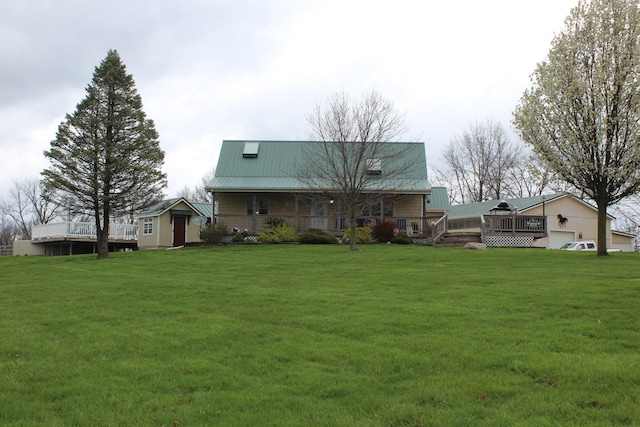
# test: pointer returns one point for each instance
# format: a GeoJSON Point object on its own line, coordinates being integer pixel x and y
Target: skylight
{"type": "Point", "coordinates": [374, 166]}
{"type": "Point", "coordinates": [250, 149]}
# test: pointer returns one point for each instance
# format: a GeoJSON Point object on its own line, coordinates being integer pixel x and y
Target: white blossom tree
{"type": "Point", "coordinates": [582, 113]}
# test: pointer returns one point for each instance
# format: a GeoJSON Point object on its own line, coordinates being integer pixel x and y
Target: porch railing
{"type": "Point", "coordinates": [414, 226]}
{"type": "Point", "coordinates": [535, 225]}
{"type": "Point", "coordinates": [438, 229]}
{"type": "Point", "coordinates": [82, 230]}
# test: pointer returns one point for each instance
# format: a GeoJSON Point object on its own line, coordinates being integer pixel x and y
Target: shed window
{"type": "Point", "coordinates": [147, 226]}
{"type": "Point", "coordinates": [250, 150]}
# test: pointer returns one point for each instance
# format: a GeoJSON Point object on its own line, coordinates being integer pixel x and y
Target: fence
{"type": "Point", "coordinates": [6, 250]}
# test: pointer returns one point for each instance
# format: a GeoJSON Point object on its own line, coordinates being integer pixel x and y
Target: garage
{"type": "Point", "coordinates": [557, 238]}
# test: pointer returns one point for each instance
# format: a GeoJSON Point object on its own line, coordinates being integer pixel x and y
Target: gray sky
{"type": "Point", "coordinates": [239, 69]}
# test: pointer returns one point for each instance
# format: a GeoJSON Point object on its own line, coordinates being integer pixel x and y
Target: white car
{"type": "Point", "coordinates": [586, 245]}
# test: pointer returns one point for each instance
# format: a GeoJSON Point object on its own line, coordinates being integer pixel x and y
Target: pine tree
{"type": "Point", "coordinates": [106, 157]}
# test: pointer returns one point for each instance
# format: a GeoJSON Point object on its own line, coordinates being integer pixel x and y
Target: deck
{"type": "Point", "coordinates": [513, 230]}
{"type": "Point", "coordinates": [70, 237]}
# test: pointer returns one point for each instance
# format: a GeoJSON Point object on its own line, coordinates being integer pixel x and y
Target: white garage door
{"type": "Point", "coordinates": [558, 238]}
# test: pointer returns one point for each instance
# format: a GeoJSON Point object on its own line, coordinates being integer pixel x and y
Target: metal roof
{"type": "Point", "coordinates": [159, 208]}
{"type": "Point", "coordinates": [274, 168]}
{"type": "Point", "coordinates": [438, 199]}
{"type": "Point", "coordinates": [523, 204]}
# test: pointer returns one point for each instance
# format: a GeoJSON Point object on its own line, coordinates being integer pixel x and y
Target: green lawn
{"type": "Point", "coordinates": [255, 335]}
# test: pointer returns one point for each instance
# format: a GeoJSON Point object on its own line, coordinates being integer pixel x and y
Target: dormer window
{"type": "Point", "coordinates": [374, 166]}
{"type": "Point", "coordinates": [250, 150]}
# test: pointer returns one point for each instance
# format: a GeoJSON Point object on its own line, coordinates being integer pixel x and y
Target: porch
{"type": "Point", "coordinates": [424, 228]}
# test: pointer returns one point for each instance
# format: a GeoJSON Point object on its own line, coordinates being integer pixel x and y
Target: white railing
{"type": "Point", "coordinates": [82, 230]}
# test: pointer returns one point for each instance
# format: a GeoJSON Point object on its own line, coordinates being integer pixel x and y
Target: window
{"type": "Point", "coordinates": [373, 209]}
{"type": "Point", "coordinates": [263, 207]}
{"type": "Point", "coordinates": [147, 226]}
{"type": "Point", "coordinates": [374, 166]}
{"type": "Point", "coordinates": [250, 150]}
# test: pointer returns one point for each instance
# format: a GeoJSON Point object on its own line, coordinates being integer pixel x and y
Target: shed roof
{"type": "Point", "coordinates": [159, 208]}
{"type": "Point", "coordinates": [273, 167]}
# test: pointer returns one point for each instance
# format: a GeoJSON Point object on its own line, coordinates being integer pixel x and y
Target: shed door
{"type": "Point", "coordinates": [559, 238]}
{"type": "Point", "coordinates": [179, 230]}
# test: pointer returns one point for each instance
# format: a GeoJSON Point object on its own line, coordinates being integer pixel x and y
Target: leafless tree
{"type": "Point", "coordinates": [28, 205]}
{"type": "Point", "coordinates": [8, 230]}
{"type": "Point", "coordinates": [480, 160]}
{"type": "Point", "coordinates": [198, 192]}
{"type": "Point", "coordinates": [354, 140]}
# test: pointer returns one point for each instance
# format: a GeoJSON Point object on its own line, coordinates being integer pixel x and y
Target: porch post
{"type": "Point", "coordinates": [253, 217]}
{"type": "Point", "coordinates": [295, 214]}
{"type": "Point", "coordinates": [213, 207]}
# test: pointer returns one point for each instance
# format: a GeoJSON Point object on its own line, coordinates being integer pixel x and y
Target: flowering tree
{"type": "Point", "coordinates": [582, 113]}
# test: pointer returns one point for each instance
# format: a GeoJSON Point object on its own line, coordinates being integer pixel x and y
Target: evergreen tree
{"type": "Point", "coordinates": [106, 158]}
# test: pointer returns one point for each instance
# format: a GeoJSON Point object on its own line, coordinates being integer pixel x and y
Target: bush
{"type": "Point", "coordinates": [363, 236]}
{"type": "Point", "coordinates": [402, 239]}
{"type": "Point", "coordinates": [274, 221]}
{"type": "Point", "coordinates": [213, 233]}
{"type": "Point", "coordinates": [278, 234]}
{"type": "Point", "coordinates": [238, 238]}
{"type": "Point", "coordinates": [315, 236]}
{"type": "Point", "coordinates": [384, 231]}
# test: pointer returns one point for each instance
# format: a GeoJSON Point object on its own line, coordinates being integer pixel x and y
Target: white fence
{"type": "Point", "coordinates": [82, 230]}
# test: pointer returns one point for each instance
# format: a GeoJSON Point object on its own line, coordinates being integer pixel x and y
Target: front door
{"type": "Point", "coordinates": [179, 230]}
{"type": "Point", "coordinates": [318, 215]}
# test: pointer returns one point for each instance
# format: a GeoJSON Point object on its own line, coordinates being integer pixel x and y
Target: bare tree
{"type": "Point", "coordinates": [581, 113]}
{"type": "Point", "coordinates": [198, 192]}
{"type": "Point", "coordinates": [479, 162]}
{"type": "Point", "coordinates": [356, 157]}
{"type": "Point", "coordinates": [28, 205]}
{"type": "Point", "coordinates": [8, 230]}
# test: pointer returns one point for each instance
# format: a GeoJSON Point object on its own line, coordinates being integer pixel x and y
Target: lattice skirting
{"type": "Point", "coordinates": [509, 241]}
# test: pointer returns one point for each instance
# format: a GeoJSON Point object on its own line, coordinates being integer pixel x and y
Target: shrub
{"type": "Point", "coordinates": [315, 236]}
{"type": "Point", "coordinates": [278, 234]}
{"type": "Point", "coordinates": [384, 231]}
{"type": "Point", "coordinates": [274, 221]}
{"type": "Point", "coordinates": [402, 239]}
{"type": "Point", "coordinates": [238, 238]}
{"type": "Point", "coordinates": [363, 236]}
{"type": "Point", "coordinates": [213, 233]}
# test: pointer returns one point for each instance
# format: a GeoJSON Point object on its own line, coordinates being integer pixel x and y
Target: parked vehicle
{"type": "Point", "coordinates": [586, 245]}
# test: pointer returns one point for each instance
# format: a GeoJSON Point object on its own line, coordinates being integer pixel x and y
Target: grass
{"type": "Point", "coordinates": [318, 336]}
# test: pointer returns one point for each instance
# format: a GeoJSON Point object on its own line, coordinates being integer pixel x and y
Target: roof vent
{"type": "Point", "coordinates": [374, 166]}
{"type": "Point", "coordinates": [250, 150]}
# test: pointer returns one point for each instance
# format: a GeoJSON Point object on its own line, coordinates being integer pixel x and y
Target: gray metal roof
{"type": "Point", "coordinates": [523, 204]}
{"type": "Point", "coordinates": [159, 208]}
{"type": "Point", "coordinates": [274, 168]}
{"type": "Point", "coordinates": [438, 199]}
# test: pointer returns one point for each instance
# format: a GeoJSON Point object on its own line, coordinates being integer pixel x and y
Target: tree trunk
{"type": "Point", "coordinates": [353, 222]}
{"type": "Point", "coordinates": [602, 229]}
{"type": "Point", "coordinates": [102, 231]}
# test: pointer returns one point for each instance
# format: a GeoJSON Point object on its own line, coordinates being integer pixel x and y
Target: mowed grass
{"type": "Point", "coordinates": [317, 336]}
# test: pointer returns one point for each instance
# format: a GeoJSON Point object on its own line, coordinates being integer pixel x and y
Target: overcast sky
{"type": "Point", "coordinates": [236, 69]}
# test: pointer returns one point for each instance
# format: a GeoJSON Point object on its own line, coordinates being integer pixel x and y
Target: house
{"type": "Point", "coordinates": [257, 182]}
{"type": "Point", "coordinates": [172, 223]}
{"type": "Point", "coordinates": [546, 221]}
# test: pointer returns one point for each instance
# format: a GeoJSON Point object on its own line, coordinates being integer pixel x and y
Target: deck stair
{"type": "Point", "coordinates": [459, 239]}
